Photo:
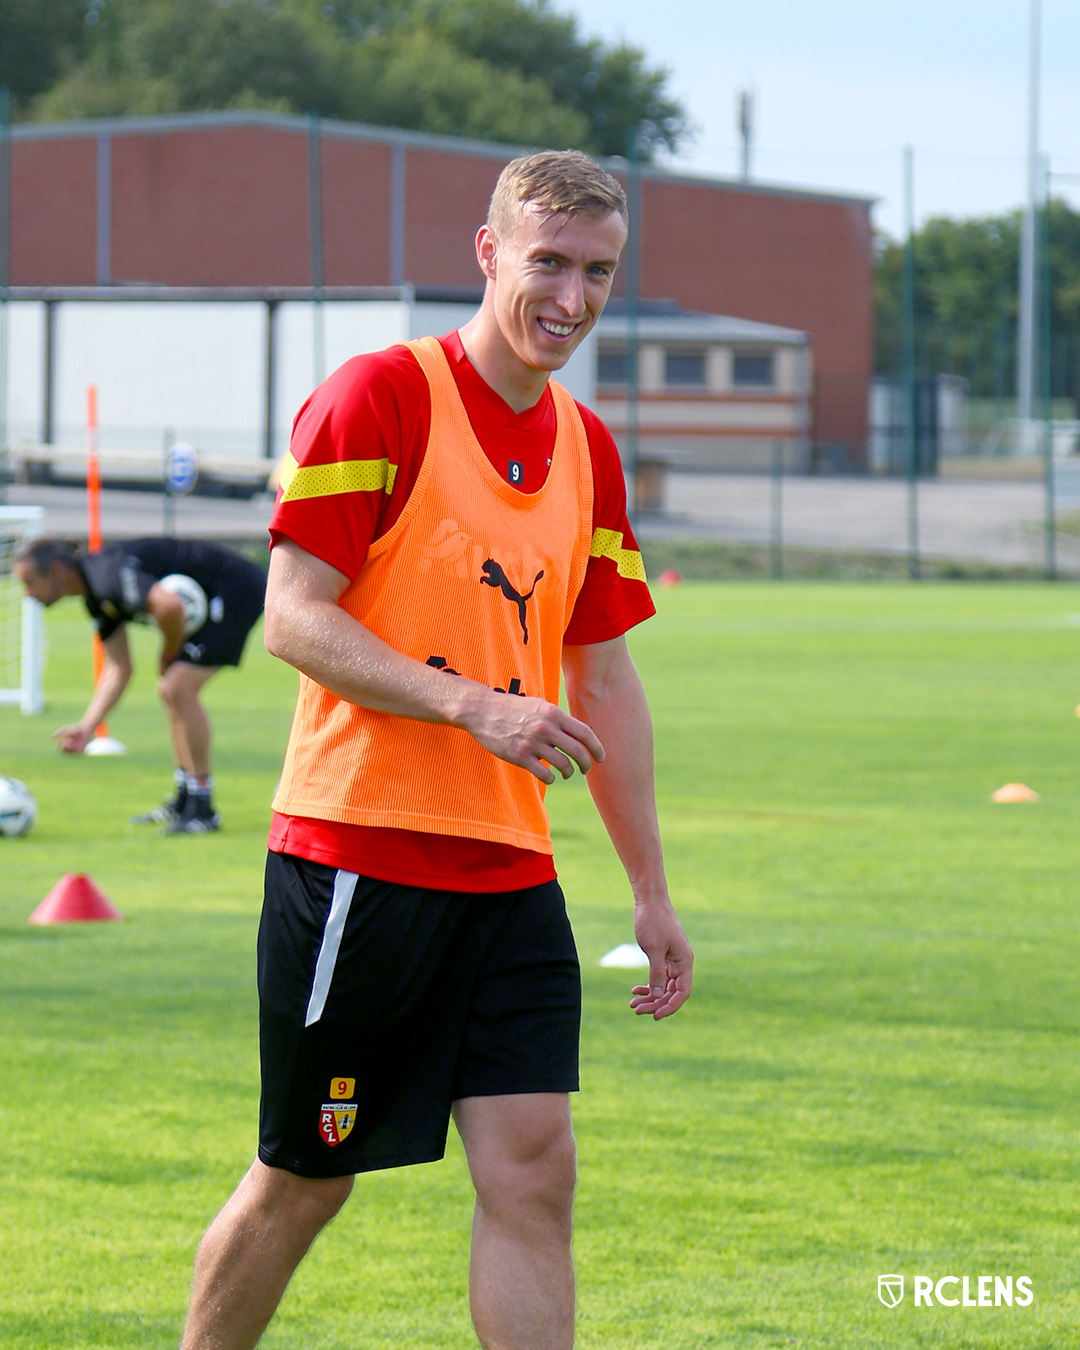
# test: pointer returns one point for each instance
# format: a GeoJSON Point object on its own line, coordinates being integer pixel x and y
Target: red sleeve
{"type": "Point", "coordinates": [368, 425]}
{"type": "Point", "coordinates": [614, 596]}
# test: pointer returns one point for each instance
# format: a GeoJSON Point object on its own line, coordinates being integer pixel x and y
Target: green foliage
{"type": "Point", "coordinates": [38, 40]}
{"type": "Point", "coordinates": [876, 1072]}
{"type": "Point", "coordinates": [419, 80]}
{"type": "Point", "coordinates": [610, 87]}
{"type": "Point", "coordinates": [966, 299]}
{"type": "Point", "coordinates": [157, 55]}
{"type": "Point", "coordinates": [509, 70]}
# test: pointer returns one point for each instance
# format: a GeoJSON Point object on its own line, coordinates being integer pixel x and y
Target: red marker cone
{"type": "Point", "coordinates": [74, 899]}
{"type": "Point", "coordinates": [669, 577]}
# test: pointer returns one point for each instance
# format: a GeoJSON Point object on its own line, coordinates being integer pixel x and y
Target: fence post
{"type": "Point", "coordinates": [270, 378]}
{"type": "Point", "coordinates": [776, 542]}
{"type": "Point", "coordinates": [168, 502]}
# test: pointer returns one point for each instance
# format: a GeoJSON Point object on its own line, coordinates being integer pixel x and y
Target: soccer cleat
{"type": "Point", "coordinates": [197, 817]}
{"type": "Point", "coordinates": [163, 814]}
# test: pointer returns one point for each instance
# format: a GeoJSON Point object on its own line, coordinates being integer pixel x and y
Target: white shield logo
{"type": "Point", "coordinates": [890, 1289]}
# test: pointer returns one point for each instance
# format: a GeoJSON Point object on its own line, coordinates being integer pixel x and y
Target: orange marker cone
{"type": "Point", "coordinates": [74, 899]}
{"type": "Point", "coordinates": [1015, 792]}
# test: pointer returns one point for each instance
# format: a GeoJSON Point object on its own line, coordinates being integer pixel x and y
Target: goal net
{"type": "Point", "coordinates": [22, 629]}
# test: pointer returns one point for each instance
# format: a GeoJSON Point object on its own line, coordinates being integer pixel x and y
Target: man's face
{"type": "Point", "coordinates": [552, 278]}
{"type": "Point", "coordinates": [45, 587]}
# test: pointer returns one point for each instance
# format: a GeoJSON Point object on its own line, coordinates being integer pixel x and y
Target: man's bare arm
{"type": "Point", "coordinates": [306, 627]}
{"type": "Point", "coordinates": [604, 690]}
{"type": "Point", "coordinates": [115, 674]}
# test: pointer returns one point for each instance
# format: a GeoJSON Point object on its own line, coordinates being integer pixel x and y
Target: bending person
{"type": "Point", "coordinates": [204, 600]}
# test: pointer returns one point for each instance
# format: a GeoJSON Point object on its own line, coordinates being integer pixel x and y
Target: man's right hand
{"type": "Point", "coordinates": [73, 740]}
{"type": "Point", "coordinates": [529, 732]}
{"type": "Point", "coordinates": [306, 626]}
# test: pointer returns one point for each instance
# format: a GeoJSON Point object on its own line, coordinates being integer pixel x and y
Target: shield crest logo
{"type": "Point", "coordinates": [336, 1121]}
{"type": "Point", "coordinates": [890, 1289]}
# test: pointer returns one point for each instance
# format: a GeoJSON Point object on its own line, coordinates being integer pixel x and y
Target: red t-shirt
{"type": "Point", "coordinates": [378, 406]}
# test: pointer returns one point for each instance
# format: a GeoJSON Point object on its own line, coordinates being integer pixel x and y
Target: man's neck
{"type": "Point", "coordinates": [74, 582]}
{"type": "Point", "coordinates": [516, 384]}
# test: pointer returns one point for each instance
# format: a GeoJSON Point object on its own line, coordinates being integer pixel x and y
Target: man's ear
{"type": "Point", "coordinates": [487, 249]}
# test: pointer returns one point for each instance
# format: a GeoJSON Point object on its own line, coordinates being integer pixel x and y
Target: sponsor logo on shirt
{"type": "Point", "coordinates": [493, 575]}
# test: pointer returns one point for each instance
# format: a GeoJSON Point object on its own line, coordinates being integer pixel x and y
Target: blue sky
{"type": "Point", "coordinates": [841, 86]}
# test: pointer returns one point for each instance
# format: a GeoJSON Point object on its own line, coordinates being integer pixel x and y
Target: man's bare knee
{"type": "Point", "coordinates": [173, 689]}
{"type": "Point", "coordinates": [532, 1183]}
{"type": "Point", "coordinates": [314, 1201]}
{"type": "Point", "coordinates": [306, 1203]}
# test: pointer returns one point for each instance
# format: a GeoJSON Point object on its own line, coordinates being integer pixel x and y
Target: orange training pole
{"type": "Point", "coordinates": [93, 511]}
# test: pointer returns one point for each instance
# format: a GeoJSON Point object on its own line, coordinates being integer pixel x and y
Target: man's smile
{"type": "Point", "coordinates": [557, 329]}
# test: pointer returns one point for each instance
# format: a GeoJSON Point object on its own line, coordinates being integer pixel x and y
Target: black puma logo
{"type": "Point", "coordinates": [495, 576]}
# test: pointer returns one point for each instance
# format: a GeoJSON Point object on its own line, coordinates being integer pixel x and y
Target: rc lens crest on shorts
{"type": "Point", "coordinates": [337, 1116]}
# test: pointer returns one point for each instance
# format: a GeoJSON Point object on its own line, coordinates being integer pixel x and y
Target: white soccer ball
{"type": "Point", "coordinates": [18, 809]}
{"type": "Point", "coordinates": [193, 597]}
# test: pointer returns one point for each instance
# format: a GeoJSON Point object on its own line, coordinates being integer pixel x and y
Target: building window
{"type": "Point", "coordinates": [613, 366]}
{"type": "Point", "coordinates": [752, 369]}
{"type": "Point", "coordinates": [685, 369]}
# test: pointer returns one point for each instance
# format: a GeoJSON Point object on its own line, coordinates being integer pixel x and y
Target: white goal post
{"type": "Point", "coordinates": [22, 625]}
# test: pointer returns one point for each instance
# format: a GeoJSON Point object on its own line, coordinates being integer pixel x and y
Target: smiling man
{"type": "Point", "coordinates": [450, 533]}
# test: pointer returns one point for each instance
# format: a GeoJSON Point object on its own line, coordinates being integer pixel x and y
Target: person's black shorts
{"type": "Point", "coordinates": [381, 1005]}
{"type": "Point", "coordinates": [233, 611]}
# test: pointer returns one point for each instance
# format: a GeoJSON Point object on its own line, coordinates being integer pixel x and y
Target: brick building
{"type": "Point", "coordinates": [229, 200]}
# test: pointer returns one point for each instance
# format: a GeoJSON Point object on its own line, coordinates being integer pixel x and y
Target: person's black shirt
{"type": "Point", "coordinates": [120, 576]}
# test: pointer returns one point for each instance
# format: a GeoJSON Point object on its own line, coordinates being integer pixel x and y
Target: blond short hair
{"type": "Point", "coordinates": [560, 182]}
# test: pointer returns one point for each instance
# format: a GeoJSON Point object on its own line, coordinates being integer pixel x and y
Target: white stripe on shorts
{"type": "Point", "coordinates": [344, 887]}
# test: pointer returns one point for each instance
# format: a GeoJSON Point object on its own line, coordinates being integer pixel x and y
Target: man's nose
{"type": "Point", "coordinates": [571, 298]}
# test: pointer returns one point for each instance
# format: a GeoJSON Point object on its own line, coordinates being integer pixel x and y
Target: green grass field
{"type": "Point", "coordinates": [876, 1074]}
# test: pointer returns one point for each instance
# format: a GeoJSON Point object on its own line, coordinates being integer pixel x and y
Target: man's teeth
{"type": "Point", "coordinates": [559, 329]}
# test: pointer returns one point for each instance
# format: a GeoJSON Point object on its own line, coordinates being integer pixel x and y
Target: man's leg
{"type": "Point", "coordinates": [522, 1158]}
{"type": "Point", "coordinates": [189, 725]}
{"type": "Point", "coordinates": [250, 1251]}
{"type": "Point", "coordinates": [179, 689]}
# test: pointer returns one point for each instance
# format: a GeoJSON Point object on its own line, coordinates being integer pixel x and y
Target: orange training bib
{"type": "Point", "coordinates": [477, 579]}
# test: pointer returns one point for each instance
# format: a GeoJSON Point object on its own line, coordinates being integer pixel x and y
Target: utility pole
{"type": "Point", "coordinates": [746, 129]}
{"type": "Point", "coordinates": [5, 275]}
{"type": "Point", "coordinates": [1027, 337]}
{"type": "Point", "coordinates": [633, 291]}
{"type": "Point", "coordinates": [910, 386]}
{"type": "Point", "coordinates": [315, 237]}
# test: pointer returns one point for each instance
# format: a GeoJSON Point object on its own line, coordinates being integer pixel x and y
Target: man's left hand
{"type": "Point", "coordinates": [671, 962]}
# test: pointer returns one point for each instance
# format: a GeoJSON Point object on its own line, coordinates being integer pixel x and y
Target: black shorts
{"type": "Point", "coordinates": [233, 611]}
{"type": "Point", "coordinates": [380, 1005]}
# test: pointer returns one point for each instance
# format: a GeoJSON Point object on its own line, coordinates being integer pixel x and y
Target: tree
{"type": "Point", "coordinates": [509, 70]}
{"type": "Point", "coordinates": [966, 300]}
{"type": "Point", "coordinates": [417, 79]}
{"type": "Point", "coordinates": [38, 39]}
{"type": "Point", "coordinates": [611, 87]}
{"type": "Point", "coordinates": [164, 56]}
